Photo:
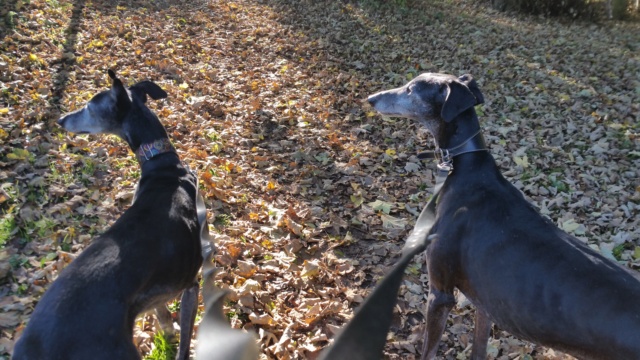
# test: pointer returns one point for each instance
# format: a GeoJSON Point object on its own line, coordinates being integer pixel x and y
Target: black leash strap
{"type": "Point", "coordinates": [216, 339]}
{"type": "Point", "coordinates": [364, 337]}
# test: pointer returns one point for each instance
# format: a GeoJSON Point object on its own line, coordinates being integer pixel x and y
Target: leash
{"type": "Point", "coordinates": [216, 339]}
{"type": "Point", "coordinates": [364, 337]}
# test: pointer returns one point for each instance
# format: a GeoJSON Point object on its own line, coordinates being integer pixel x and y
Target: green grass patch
{"type": "Point", "coordinates": [7, 226]}
{"type": "Point", "coordinates": [44, 227]}
{"type": "Point", "coordinates": [174, 306]}
{"type": "Point", "coordinates": [619, 249]}
{"type": "Point", "coordinates": [556, 180]}
{"type": "Point", "coordinates": [162, 349]}
{"type": "Point", "coordinates": [17, 261]}
{"type": "Point", "coordinates": [62, 177]}
{"type": "Point", "coordinates": [386, 4]}
{"type": "Point", "coordinates": [222, 220]}
{"type": "Point", "coordinates": [414, 269]}
{"type": "Point", "coordinates": [126, 162]}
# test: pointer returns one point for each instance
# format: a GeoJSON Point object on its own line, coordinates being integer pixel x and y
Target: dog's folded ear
{"type": "Point", "coordinates": [468, 80]}
{"type": "Point", "coordinates": [462, 95]}
{"type": "Point", "coordinates": [150, 88]}
{"type": "Point", "coordinates": [458, 99]}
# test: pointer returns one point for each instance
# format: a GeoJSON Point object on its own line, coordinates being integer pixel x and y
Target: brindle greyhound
{"type": "Point", "coordinates": [151, 254]}
{"type": "Point", "coordinates": [517, 268]}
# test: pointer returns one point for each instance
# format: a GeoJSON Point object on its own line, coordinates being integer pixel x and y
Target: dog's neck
{"type": "Point", "coordinates": [148, 151]}
{"type": "Point", "coordinates": [141, 127]}
{"type": "Point", "coordinates": [460, 143]}
{"type": "Point", "coordinates": [162, 165]}
{"type": "Point", "coordinates": [459, 130]}
{"type": "Point", "coordinates": [156, 155]}
{"type": "Point", "coordinates": [165, 169]}
{"type": "Point", "coordinates": [459, 137]}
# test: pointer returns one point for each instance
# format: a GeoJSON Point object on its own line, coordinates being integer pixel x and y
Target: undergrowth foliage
{"type": "Point", "coordinates": [590, 9]}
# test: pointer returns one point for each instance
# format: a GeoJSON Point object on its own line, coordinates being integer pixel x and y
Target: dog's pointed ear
{"type": "Point", "coordinates": [468, 80]}
{"type": "Point", "coordinates": [115, 82]}
{"type": "Point", "coordinates": [112, 74]}
{"type": "Point", "coordinates": [118, 92]}
{"type": "Point", "coordinates": [150, 88]}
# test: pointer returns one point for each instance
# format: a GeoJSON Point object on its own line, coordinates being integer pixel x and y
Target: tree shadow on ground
{"type": "Point", "coordinates": [66, 63]}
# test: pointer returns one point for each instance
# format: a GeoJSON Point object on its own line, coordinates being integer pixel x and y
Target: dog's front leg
{"type": "Point", "coordinates": [438, 306]}
{"type": "Point", "coordinates": [188, 309]}
{"type": "Point", "coordinates": [481, 335]}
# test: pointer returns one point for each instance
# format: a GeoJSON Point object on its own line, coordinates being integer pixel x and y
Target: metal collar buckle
{"type": "Point", "coordinates": [445, 160]}
{"type": "Point", "coordinates": [445, 156]}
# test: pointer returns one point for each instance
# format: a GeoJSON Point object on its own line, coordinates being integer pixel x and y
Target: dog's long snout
{"type": "Point", "coordinates": [372, 99]}
{"type": "Point", "coordinates": [63, 120]}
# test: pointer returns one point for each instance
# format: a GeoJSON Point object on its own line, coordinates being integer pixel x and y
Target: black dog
{"type": "Point", "coordinates": [149, 256]}
{"type": "Point", "coordinates": [516, 267]}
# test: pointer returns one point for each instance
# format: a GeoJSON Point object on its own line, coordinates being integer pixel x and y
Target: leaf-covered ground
{"type": "Point", "coordinates": [310, 192]}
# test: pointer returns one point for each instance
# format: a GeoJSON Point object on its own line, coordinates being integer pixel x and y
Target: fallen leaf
{"type": "Point", "coordinates": [264, 319]}
{"type": "Point", "coordinates": [411, 167]}
{"type": "Point", "coordinates": [245, 268]}
{"type": "Point", "coordinates": [9, 319]}
{"type": "Point", "coordinates": [357, 200]}
{"type": "Point", "coordinates": [380, 205]}
{"type": "Point", "coordinates": [310, 269]}
{"type": "Point", "coordinates": [391, 222]}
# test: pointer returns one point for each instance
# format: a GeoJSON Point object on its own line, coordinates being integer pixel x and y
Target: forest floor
{"type": "Point", "coordinates": [310, 193]}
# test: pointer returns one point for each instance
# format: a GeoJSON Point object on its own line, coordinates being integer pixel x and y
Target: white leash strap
{"type": "Point", "coordinates": [216, 339]}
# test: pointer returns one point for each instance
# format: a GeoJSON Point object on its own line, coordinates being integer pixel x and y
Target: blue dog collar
{"type": "Point", "coordinates": [149, 150]}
